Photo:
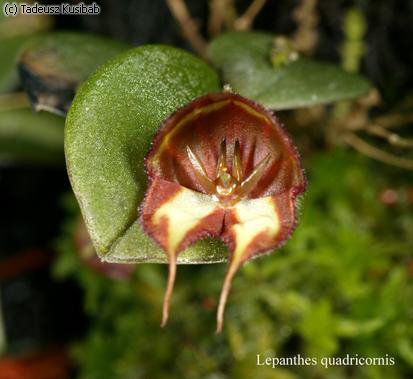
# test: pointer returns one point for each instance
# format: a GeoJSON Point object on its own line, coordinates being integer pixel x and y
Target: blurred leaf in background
{"type": "Point", "coordinates": [14, 32]}
{"type": "Point", "coordinates": [30, 138]}
{"type": "Point", "coordinates": [53, 65]}
{"type": "Point", "coordinates": [258, 66]}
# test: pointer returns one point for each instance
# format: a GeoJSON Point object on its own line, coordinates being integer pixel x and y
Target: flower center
{"type": "Point", "coordinates": [228, 188]}
{"type": "Point", "coordinates": [225, 184]}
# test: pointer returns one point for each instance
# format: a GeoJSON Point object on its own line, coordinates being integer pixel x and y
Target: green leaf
{"type": "Point", "coordinates": [114, 116]}
{"type": "Point", "coordinates": [9, 48]}
{"type": "Point", "coordinates": [244, 59]}
{"type": "Point", "coordinates": [14, 32]}
{"type": "Point", "coordinates": [53, 65]}
{"type": "Point", "coordinates": [30, 138]}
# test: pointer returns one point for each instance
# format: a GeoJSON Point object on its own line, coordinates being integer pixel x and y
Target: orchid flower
{"type": "Point", "coordinates": [222, 167]}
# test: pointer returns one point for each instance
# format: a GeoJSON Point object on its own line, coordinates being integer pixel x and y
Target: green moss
{"type": "Point", "coordinates": [340, 286]}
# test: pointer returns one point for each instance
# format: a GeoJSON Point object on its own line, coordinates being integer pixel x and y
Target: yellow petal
{"type": "Point", "coordinates": [175, 217]}
{"type": "Point", "coordinates": [257, 218]}
{"type": "Point", "coordinates": [253, 226]}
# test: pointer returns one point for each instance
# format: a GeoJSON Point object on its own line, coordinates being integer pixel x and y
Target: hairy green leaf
{"type": "Point", "coordinates": [108, 132]}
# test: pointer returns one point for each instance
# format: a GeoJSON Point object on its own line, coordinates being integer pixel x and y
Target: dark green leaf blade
{"type": "Point", "coordinates": [245, 63]}
{"type": "Point", "coordinates": [108, 133]}
{"type": "Point", "coordinates": [29, 138]}
{"type": "Point", "coordinates": [9, 49]}
{"type": "Point", "coordinates": [53, 65]}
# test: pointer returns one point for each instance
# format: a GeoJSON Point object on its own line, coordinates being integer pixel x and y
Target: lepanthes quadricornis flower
{"type": "Point", "coordinates": [223, 167]}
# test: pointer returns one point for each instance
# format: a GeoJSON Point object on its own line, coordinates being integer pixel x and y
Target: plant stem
{"type": "Point", "coordinates": [244, 22]}
{"type": "Point", "coordinates": [188, 26]}
{"type": "Point", "coordinates": [373, 152]}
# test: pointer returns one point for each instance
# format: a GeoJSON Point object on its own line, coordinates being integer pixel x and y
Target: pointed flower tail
{"type": "Point", "coordinates": [174, 217]}
{"type": "Point", "coordinates": [222, 166]}
{"type": "Point", "coordinates": [253, 227]}
{"type": "Point", "coordinates": [169, 290]}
